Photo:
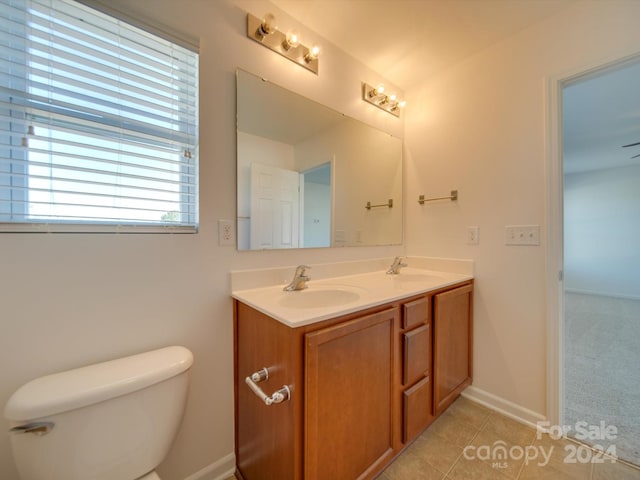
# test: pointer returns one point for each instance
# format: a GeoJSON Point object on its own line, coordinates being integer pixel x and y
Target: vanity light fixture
{"type": "Point", "coordinates": [376, 96]}
{"type": "Point", "coordinates": [265, 32]}
{"type": "Point", "coordinates": [292, 40]}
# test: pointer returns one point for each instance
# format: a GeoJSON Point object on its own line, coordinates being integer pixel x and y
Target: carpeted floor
{"type": "Point", "coordinates": [602, 369]}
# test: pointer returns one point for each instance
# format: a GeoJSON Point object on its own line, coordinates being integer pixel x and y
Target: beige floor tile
{"type": "Point", "coordinates": [563, 458]}
{"type": "Point", "coordinates": [615, 471]}
{"type": "Point", "coordinates": [469, 412]}
{"type": "Point", "coordinates": [550, 472]}
{"type": "Point", "coordinates": [411, 467]}
{"type": "Point", "coordinates": [436, 450]}
{"type": "Point", "coordinates": [453, 430]}
{"type": "Point", "coordinates": [509, 430]}
{"type": "Point", "coordinates": [475, 469]}
{"type": "Point", "coordinates": [492, 448]}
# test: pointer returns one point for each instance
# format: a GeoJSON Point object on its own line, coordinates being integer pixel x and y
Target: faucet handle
{"type": "Point", "coordinates": [301, 269]}
{"type": "Point", "coordinates": [395, 267]}
{"type": "Point", "coordinates": [299, 279]}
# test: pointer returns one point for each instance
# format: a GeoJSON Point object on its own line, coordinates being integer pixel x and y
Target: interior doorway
{"type": "Point", "coordinates": [600, 294]}
{"type": "Point", "coordinates": [316, 192]}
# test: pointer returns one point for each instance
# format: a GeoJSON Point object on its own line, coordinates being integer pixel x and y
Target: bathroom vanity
{"type": "Point", "coordinates": [369, 361]}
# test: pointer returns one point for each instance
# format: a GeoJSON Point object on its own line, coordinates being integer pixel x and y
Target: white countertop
{"type": "Point", "coordinates": [331, 297]}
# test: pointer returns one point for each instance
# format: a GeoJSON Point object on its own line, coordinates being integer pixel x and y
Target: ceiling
{"type": "Point", "coordinates": [410, 40]}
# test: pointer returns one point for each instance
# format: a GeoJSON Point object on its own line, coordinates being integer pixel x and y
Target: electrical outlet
{"type": "Point", "coordinates": [226, 234]}
{"type": "Point", "coordinates": [473, 235]}
{"type": "Point", "coordinates": [522, 235]}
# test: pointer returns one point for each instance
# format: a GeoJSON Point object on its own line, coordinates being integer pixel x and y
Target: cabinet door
{"type": "Point", "coordinates": [416, 409]}
{"type": "Point", "coordinates": [452, 345]}
{"type": "Point", "coordinates": [417, 354]}
{"type": "Point", "coordinates": [349, 398]}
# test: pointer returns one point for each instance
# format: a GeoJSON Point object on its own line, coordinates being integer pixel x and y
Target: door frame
{"type": "Point", "coordinates": [555, 227]}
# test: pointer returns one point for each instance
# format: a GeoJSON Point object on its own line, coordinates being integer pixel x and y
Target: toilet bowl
{"type": "Point", "coordinates": [113, 420]}
{"type": "Point", "coordinates": [150, 476]}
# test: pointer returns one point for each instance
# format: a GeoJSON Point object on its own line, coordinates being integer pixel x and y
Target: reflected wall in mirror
{"type": "Point", "coordinates": [306, 173]}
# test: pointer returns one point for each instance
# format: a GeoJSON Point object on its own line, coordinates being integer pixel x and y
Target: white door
{"type": "Point", "coordinates": [275, 206]}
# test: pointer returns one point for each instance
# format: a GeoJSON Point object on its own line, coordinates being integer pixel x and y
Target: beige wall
{"type": "Point", "coordinates": [70, 300]}
{"type": "Point", "coordinates": [480, 128]}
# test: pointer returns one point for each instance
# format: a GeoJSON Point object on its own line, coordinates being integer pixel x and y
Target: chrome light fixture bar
{"type": "Point", "coordinates": [265, 32]}
{"type": "Point", "coordinates": [377, 96]}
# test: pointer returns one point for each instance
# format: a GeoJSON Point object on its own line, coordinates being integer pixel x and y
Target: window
{"type": "Point", "coordinates": [98, 123]}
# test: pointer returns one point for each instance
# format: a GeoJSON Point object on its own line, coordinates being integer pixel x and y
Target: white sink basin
{"type": "Point", "coordinates": [406, 281]}
{"type": "Point", "coordinates": [416, 278]}
{"type": "Point", "coordinates": [310, 298]}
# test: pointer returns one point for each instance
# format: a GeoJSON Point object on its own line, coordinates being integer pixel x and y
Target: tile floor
{"type": "Point", "coordinates": [438, 454]}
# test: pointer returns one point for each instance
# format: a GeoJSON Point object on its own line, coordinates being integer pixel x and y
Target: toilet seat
{"type": "Point", "coordinates": [150, 476]}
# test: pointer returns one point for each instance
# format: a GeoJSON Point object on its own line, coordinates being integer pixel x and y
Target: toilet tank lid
{"type": "Point", "coordinates": [64, 391]}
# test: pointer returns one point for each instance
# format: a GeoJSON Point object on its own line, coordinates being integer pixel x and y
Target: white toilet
{"type": "Point", "coordinates": [109, 421]}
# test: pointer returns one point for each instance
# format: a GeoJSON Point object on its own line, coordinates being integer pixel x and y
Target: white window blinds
{"type": "Point", "coordinates": [98, 123]}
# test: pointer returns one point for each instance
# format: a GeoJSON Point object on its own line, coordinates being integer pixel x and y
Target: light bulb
{"type": "Point", "coordinates": [313, 54]}
{"type": "Point", "coordinates": [398, 105]}
{"type": "Point", "coordinates": [292, 40]}
{"type": "Point", "coordinates": [268, 25]}
{"type": "Point", "coordinates": [392, 97]}
{"type": "Point", "coordinates": [376, 92]}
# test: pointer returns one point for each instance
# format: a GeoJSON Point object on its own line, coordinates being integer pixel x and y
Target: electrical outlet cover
{"type": "Point", "coordinates": [226, 233]}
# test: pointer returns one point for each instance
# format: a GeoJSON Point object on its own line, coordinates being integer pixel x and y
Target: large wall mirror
{"type": "Point", "coordinates": [309, 176]}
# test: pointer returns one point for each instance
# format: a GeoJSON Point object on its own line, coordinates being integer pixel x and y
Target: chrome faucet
{"type": "Point", "coordinates": [299, 281]}
{"type": "Point", "coordinates": [395, 267]}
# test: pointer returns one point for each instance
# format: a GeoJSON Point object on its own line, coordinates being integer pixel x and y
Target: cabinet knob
{"type": "Point", "coordinates": [262, 375]}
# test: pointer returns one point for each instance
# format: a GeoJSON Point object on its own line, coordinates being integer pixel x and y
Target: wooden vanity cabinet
{"type": "Point", "coordinates": [349, 397]}
{"type": "Point", "coordinates": [452, 345]}
{"type": "Point", "coordinates": [417, 361]}
{"type": "Point", "coordinates": [339, 422]}
{"type": "Point", "coordinates": [363, 385]}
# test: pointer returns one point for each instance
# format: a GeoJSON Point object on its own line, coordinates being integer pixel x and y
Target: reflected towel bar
{"type": "Point", "coordinates": [453, 197]}
{"type": "Point", "coordinates": [389, 204]}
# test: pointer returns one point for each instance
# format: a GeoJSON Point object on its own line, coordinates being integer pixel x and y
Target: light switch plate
{"type": "Point", "coordinates": [522, 235]}
{"type": "Point", "coordinates": [473, 235]}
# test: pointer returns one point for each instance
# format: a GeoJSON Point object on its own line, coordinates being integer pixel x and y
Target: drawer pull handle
{"type": "Point", "coordinates": [262, 375]}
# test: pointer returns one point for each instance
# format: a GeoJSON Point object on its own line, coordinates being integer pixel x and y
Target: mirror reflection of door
{"type": "Point", "coordinates": [275, 205]}
{"type": "Point", "coordinates": [316, 192]}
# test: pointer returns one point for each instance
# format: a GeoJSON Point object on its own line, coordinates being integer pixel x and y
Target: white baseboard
{"type": "Point", "coordinates": [218, 470]}
{"type": "Point", "coordinates": [602, 294]}
{"type": "Point", "coordinates": [505, 407]}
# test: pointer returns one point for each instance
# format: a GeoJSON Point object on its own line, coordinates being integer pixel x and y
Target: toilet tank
{"type": "Point", "coordinates": [109, 421]}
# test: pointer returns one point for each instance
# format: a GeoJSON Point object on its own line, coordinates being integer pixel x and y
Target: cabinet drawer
{"type": "Point", "coordinates": [417, 409]}
{"type": "Point", "coordinates": [416, 312]}
{"type": "Point", "coordinates": [416, 354]}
